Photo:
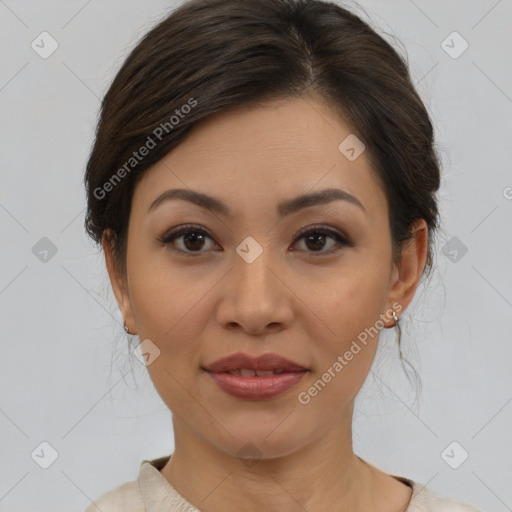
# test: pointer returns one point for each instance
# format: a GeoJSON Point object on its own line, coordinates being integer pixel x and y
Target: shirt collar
{"type": "Point", "coordinates": [160, 496]}
{"type": "Point", "coordinates": [157, 493]}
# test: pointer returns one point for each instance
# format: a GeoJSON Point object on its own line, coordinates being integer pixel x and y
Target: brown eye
{"type": "Point", "coordinates": [193, 240]}
{"type": "Point", "coordinates": [316, 240]}
{"type": "Point", "coordinates": [188, 240]}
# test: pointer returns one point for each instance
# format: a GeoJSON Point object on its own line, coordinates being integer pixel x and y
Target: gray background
{"type": "Point", "coordinates": [66, 373]}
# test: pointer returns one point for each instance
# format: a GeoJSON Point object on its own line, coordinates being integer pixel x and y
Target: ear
{"type": "Point", "coordinates": [117, 280]}
{"type": "Point", "coordinates": [407, 274]}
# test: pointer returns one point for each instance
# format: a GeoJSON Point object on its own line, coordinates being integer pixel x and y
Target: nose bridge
{"type": "Point", "coordinates": [254, 265]}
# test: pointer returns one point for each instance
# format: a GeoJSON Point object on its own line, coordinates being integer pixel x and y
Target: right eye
{"type": "Point", "coordinates": [186, 239]}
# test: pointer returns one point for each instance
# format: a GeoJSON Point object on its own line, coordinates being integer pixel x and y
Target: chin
{"type": "Point", "coordinates": [261, 435]}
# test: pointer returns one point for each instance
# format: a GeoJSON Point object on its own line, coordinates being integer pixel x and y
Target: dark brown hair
{"type": "Point", "coordinates": [209, 56]}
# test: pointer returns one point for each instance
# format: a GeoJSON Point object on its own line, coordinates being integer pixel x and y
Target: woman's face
{"type": "Point", "coordinates": [247, 280]}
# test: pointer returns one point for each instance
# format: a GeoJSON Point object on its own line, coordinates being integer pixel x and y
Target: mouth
{"type": "Point", "coordinates": [249, 372]}
{"type": "Point", "coordinates": [255, 378]}
{"type": "Point", "coordinates": [263, 363]}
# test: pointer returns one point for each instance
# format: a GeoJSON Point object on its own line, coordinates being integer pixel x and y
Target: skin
{"type": "Point", "coordinates": [291, 300]}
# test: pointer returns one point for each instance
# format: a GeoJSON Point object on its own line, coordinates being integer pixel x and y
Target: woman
{"type": "Point", "coordinates": [263, 184]}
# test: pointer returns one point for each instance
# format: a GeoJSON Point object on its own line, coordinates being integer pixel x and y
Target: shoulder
{"type": "Point", "coordinates": [124, 498]}
{"type": "Point", "coordinates": [426, 500]}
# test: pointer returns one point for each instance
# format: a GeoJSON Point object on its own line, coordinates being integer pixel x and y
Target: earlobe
{"type": "Point", "coordinates": [408, 272]}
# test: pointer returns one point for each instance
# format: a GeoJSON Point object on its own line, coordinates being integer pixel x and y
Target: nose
{"type": "Point", "coordinates": [255, 296]}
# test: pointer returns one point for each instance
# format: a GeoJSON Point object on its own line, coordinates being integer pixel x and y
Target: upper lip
{"type": "Point", "coordinates": [263, 362]}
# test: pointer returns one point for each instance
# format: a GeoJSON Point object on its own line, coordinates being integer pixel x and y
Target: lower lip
{"type": "Point", "coordinates": [257, 388]}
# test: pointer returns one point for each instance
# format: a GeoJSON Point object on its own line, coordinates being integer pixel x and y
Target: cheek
{"type": "Point", "coordinates": [169, 306]}
{"type": "Point", "coordinates": [352, 301]}
{"type": "Point", "coordinates": [348, 308]}
{"type": "Point", "coordinates": [165, 296]}
{"type": "Point", "coordinates": [170, 311]}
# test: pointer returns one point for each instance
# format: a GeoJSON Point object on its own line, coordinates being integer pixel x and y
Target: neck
{"type": "Point", "coordinates": [322, 475]}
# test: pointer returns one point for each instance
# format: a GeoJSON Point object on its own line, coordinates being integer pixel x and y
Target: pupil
{"type": "Point", "coordinates": [196, 238]}
{"type": "Point", "coordinates": [312, 238]}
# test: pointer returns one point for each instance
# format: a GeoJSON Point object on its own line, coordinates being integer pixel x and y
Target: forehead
{"type": "Point", "coordinates": [288, 128]}
{"type": "Point", "coordinates": [263, 155]}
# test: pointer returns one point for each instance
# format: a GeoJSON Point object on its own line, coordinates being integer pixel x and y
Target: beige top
{"type": "Point", "coordinates": [152, 492]}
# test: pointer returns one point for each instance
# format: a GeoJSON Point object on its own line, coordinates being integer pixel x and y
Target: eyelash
{"type": "Point", "coordinates": [168, 238]}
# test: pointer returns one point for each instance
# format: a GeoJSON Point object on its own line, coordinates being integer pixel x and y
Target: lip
{"type": "Point", "coordinates": [268, 361]}
{"type": "Point", "coordinates": [256, 387]}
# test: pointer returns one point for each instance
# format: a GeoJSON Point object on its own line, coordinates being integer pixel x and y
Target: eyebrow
{"type": "Point", "coordinates": [284, 208]}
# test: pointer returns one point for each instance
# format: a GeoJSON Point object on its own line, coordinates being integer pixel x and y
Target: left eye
{"type": "Point", "coordinates": [315, 239]}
